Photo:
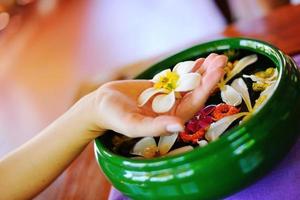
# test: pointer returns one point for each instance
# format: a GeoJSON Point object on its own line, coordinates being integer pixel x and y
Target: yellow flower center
{"type": "Point", "coordinates": [168, 82]}
{"type": "Point", "coordinates": [150, 152]}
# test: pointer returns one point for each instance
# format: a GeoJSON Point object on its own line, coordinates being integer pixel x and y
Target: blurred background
{"type": "Point", "coordinates": [51, 51]}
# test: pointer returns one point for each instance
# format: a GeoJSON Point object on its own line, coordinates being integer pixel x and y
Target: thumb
{"type": "Point", "coordinates": [138, 125]}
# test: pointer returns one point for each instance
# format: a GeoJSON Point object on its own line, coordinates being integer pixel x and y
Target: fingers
{"type": "Point", "coordinates": [137, 125]}
{"type": "Point", "coordinates": [193, 101]}
{"type": "Point", "coordinates": [208, 60]}
{"type": "Point", "coordinates": [218, 61]}
{"type": "Point", "coordinates": [213, 61]}
{"type": "Point", "coordinates": [118, 111]}
{"type": "Point", "coordinates": [198, 65]}
{"type": "Point", "coordinates": [213, 74]}
{"type": "Point", "coordinates": [209, 81]}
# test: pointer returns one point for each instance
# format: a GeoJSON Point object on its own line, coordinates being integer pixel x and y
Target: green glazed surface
{"type": "Point", "coordinates": [239, 158]}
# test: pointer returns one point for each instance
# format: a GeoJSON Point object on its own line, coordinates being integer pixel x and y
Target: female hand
{"type": "Point", "coordinates": [114, 105]}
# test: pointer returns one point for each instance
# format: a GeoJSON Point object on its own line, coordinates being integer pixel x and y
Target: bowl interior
{"type": "Point", "coordinates": [235, 49]}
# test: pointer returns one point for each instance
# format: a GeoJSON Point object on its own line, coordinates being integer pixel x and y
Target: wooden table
{"type": "Point", "coordinates": [42, 66]}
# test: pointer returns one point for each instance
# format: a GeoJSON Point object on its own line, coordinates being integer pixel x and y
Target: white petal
{"type": "Point", "coordinates": [147, 94]}
{"type": "Point", "coordinates": [230, 96]}
{"type": "Point", "coordinates": [184, 67]}
{"type": "Point", "coordinates": [217, 128]}
{"type": "Point", "coordinates": [266, 80]}
{"type": "Point", "coordinates": [253, 78]}
{"type": "Point", "coordinates": [166, 142]}
{"type": "Point", "coordinates": [180, 150]}
{"type": "Point", "coordinates": [146, 147]}
{"type": "Point", "coordinates": [163, 103]}
{"type": "Point", "coordinates": [202, 143]}
{"type": "Point", "coordinates": [188, 82]}
{"type": "Point", "coordinates": [163, 73]}
{"type": "Point", "coordinates": [240, 86]}
{"type": "Point", "coordinates": [241, 64]}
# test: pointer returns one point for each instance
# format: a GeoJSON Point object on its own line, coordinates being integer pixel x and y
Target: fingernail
{"type": "Point", "coordinates": [173, 128]}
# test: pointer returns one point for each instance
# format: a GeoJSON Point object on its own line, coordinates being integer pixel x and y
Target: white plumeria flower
{"type": "Point", "coordinates": [148, 148]}
{"type": "Point", "coordinates": [230, 96]}
{"type": "Point", "coordinates": [168, 84]}
{"type": "Point", "coordinates": [233, 95]}
{"type": "Point", "coordinates": [270, 80]}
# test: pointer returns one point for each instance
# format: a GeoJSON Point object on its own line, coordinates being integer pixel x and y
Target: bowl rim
{"type": "Point", "coordinates": [232, 134]}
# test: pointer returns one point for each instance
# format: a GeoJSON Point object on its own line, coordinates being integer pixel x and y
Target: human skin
{"type": "Point", "coordinates": [32, 167]}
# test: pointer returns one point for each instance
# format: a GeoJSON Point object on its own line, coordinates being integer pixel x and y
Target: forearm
{"type": "Point", "coordinates": [32, 167]}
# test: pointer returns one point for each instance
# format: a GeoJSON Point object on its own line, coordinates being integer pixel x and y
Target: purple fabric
{"type": "Point", "coordinates": [116, 195]}
{"type": "Point", "coordinates": [282, 183]}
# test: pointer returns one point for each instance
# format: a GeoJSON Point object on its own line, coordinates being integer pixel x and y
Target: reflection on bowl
{"type": "Point", "coordinates": [243, 155]}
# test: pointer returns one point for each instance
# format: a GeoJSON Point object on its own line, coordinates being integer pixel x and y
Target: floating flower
{"type": "Point", "coordinates": [168, 84]}
{"type": "Point", "coordinates": [201, 120]}
{"type": "Point", "coordinates": [238, 90]}
{"type": "Point", "coordinates": [196, 127]}
{"type": "Point", "coordinates": [268, 75]}
{"type": "Point", "coordinates": [230, 96]}
{"type": "Point", "coordinates": [240, 86]}
{"type": "Point", "coordinates": [222, 110]}
{"type": "Point", "coordinates": [264, 82]}
{"type": "Point", "coordinates": [194, 137]}
{"type": "Point", "coordinates": [234, 94]}
{"type": "Point", "coordinates": [148, 148]}
{"type": "Point", "coordinates": [264, 95]}
{"type": "Point", "coordinates": [239, 66]}
{"type": "Point", "coordinates": [263, 79]}
{"type": "Point", "coordinates": [217, 128]}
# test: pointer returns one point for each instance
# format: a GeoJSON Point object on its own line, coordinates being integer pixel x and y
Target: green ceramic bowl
{"type": "Point", "coordinates": [240, 157]}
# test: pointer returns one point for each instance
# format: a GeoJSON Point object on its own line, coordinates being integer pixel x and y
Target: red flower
{"type": "Point", "coordinates": [192, 137]}
{"type": "Point", "coordinates": [196, 127]}
{"type": "Point", "coordinates": [223, 110]}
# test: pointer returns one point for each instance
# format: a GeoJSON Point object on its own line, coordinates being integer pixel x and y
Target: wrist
{"type": "Point", "coordinates": [82, 118]}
